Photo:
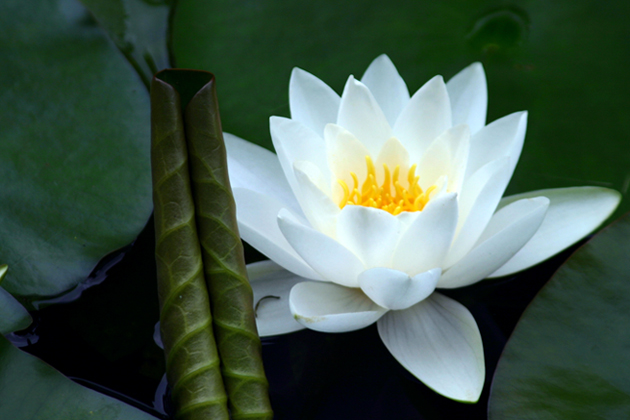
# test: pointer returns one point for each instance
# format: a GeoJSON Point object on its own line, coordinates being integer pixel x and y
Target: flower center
{"type": "Point", "coordinates": [390, 195]}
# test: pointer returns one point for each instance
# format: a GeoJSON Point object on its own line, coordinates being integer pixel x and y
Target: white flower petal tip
{"type": "Point", "coordinates": [256, 168]}
{"type": "Point", "coordinates": [573, 213]}
{"type": "Point", "coordinates": [310, 147]}
{"type": "Point", "coordinates": [425, 243]}
{"type": "Point", "coordinates": [478, 201]}
{"type": "Point", "coordinates": [312, 102]}
{"type": "Point", "coordinates": [327, 307]}
{"type": "Point", "coordinates": [396, 290]}
{"type": "Point", "coordinates": [388, 88]}
{"type": "Point", "coordinates": [426, 116]}
{"type": "Point", "coordinates": [509, 229]}
{"type": "Point", "coordinates": [360, 113]}
{"type": "Point", "coordinates": [438, 341]}
{"type": "Point", "coordinates": [501, 138]}
{"type": "Point", "coordinates": [257, 216]}
{"type": "Point", "coordinates": [468, 92]}
{"type": "Point", "coordinates": [271, 285]}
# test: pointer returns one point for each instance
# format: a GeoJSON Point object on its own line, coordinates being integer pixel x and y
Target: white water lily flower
{"type": "Point", "coordinates": [376, 198]}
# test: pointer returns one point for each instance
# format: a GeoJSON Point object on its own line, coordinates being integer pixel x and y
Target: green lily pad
{"type": "Point", "coordinates": [112, 15]}
{"type": "Point", "coordinates": [74, 146]}
{"type": "Point", "coordinates": [13, 316]}
{"type": "Point", "coordinates": [32, 390]}
{"type": "Point", "coordinates": [139, 30]}
{"type": "Point", "coordinates": [564, 61]}
{"type": "Point", "coordinates": [569, 357]}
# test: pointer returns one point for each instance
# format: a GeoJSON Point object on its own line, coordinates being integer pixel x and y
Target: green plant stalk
{"type": "Point", "coordinates": [192, 360]}
{"type": "Point", "coordinates": [224, 264]}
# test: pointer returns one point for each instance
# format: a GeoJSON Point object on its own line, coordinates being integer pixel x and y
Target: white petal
{"type": "Point", "coordinates": [426, 116]}
{"type": "Point", "coordinates": [271, 285]}
{"type": "Point", "coordinates": [425, 243]}
{"type": "Point", "coordinates": [360, 114]}
{"type": "Point", "coordinates": [388, 88]}
{"type": "Point", "coordinates": [318, 207]}
{"type": "Point", "coordinates": [440, 187]}
{"type": "Point", "coordinates": [257, 169]}
{"type": "Point", "coordinates": [573, 213]}
{"type": "Point", "coordinates": [325, 255]}
{"type": "Point", "coordinates": [438, 341]}
{"type": "Point", "coordinates": [293, 142]}
{"type": "Point", "coordinates": [345, 154]}
{"type": "Point", "coordinates": [328, 307]}
{"type": "Point", "coordinates": [257, 217]}
{"type": "Point", "coordinates": [468, 92]}
{"type": "Point", "coordinates": [447, 155]}
{"type": "Point", "coordinates": [477, 203]}
{"type": "Point", "coordinates": [312, 102]}
{"type": "Point", "coordinates": [394, 289]}
{"type": "Point", "coordinates": [509, 229]}
{"type": "Point", "coordinates": [392, 154]}
{"type": "Point", "coordinates": [371, 234]}
{"type": "Point", "coordinates": [501, 138]}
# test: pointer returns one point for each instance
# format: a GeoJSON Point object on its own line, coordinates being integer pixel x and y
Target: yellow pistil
{"type": "Point", "coordinates": [390, 195]}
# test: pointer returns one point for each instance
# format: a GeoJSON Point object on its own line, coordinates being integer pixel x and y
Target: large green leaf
{"type": "Point", "coordinates": [74, 146]}
{"type": "Point", "coordinates": [32, 390]}
{"type": "Point", "coordinates": [569, 357]}
{"type": "Point", "coordinates": [13, 316]}
{"type": "Point", "coordinates": [138, 28]}
{"type": "Point", "coordinates": [564, 61]}
{"type": "Point", "coordinates": [113, 15]}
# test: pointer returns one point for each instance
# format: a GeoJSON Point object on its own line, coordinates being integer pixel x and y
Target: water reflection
{"type": "Point", "coordinates": [499, 30]}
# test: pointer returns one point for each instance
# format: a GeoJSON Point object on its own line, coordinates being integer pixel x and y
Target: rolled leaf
{"type": "Point", "coordinates": [192, 361]}
{"type": "Point", "coordinates": [230, 293]}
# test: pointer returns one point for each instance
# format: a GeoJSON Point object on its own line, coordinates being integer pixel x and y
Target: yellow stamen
{"type": "Point", "coordinates": [390, 196]}
{"type": "Point", "coordinates": [386, 181]}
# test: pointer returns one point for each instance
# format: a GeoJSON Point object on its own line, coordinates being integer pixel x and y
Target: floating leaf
{"type": "Point", "coordinates": [32, 390]}
{"type": "Point", "coordinates": [112, 15]}
{"type": "Point", "coordinates": [568, 357]}
{"type": "Point", "coordinates": [13, 316]}
{"type": "Point", "coordinates": [138, 28]}
{"type": "Point", "coordinates": [74, 145]}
